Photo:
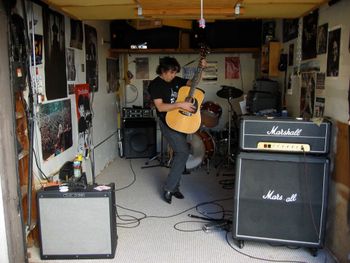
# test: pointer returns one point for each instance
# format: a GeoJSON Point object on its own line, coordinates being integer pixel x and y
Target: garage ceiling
{"type": "Point", "coordinates": [184, 9]}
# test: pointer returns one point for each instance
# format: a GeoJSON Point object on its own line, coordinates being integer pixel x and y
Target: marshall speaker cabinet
{"type": "Point", "coordinates": [281, 198]}
{"type": "Point", "coordinates": [77, 224]}
{"type": "Point", "coordinates": [281, 182]}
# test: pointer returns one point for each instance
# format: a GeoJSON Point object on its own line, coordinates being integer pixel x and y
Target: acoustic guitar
{"type": "Point", "coordinates": [182, 120]}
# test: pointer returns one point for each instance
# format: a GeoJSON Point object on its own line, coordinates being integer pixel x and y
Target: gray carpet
{"type": "Point", "coordinates": [150, 230]}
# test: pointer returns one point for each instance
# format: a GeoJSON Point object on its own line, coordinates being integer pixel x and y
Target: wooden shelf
{"type": "Point", "coordinates": [116, 52]}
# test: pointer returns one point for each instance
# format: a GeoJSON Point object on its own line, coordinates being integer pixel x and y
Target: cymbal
{"type": "Point", "coordinates": [228, 92]}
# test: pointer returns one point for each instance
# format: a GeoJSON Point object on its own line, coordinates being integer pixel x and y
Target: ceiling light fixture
{"type": "Point", "coordinates": [202, 20]}
{"type": "Point", "coordinates": [238, 9]}
{"type": "Point", "coordinates": [139, 10]}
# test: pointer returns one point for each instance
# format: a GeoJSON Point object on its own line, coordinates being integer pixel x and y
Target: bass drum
{"type": "Point", "coordinates": [202, 148]}
{"type": "Point", "coordinates": [210, 114]}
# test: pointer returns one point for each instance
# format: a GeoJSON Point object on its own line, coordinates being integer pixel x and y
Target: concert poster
{"type": "Point", "coordinates": [55, 57]}
{"type": "Point", "coordinates": [84, 116]}
{"type": "Point", "coordinates": [232, 68]}
{"type": "Point", "coordinates": [55, 124]}
{"type": "Point", "coordinates": [91, 57]}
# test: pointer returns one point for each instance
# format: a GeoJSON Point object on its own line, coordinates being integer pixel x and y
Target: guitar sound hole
{"type": "Point", "coordinates": [186, 113]}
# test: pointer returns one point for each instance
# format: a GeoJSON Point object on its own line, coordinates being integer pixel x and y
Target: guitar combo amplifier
{"type": "Point", "coordinates": [281, 181]}
{"type": "Point", "coordinates": [139, 137]}
{"type": "Point", "coordinates": [77, 224]}
{"type": "Point", "coordinates": [138, 133]}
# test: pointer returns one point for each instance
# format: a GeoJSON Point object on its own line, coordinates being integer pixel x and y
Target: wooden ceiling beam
{"type": "Point", "coordinates": [187, 12]}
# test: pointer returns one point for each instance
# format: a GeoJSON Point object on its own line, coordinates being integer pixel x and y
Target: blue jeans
{"type": "Point", "coordinates": [181, 151]}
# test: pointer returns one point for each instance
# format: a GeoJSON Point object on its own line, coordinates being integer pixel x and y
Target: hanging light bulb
{"type": "Point", "coordinates": [202, 20]}
{"type": "Point", "coordinates": [237, 9]}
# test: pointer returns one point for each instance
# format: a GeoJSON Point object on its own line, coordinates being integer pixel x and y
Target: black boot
{"type": "Point", "coordinates": [178, 194]}
{"type": "Point", "coordinates": [167, 196]}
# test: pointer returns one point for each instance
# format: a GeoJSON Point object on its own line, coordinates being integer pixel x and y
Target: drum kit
{"type": "Point", "coordinates": [206, 143]}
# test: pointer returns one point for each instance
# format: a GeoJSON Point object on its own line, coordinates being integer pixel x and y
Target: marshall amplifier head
{"type": "Point", "coordinates": [284, 135]}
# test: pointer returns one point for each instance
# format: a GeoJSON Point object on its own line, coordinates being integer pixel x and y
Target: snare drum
{"type": "Point", "coordinates": [202, 148]}
{"type": "Point", "coordinates": [210, 114]}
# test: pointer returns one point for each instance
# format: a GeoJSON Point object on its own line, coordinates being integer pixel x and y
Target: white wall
{"type": "Point", "coordinates": [336, 88]}
{"type": "Point", "coordinates": [104, 104]}
{"type": "Point", "coordinates": [4, 258]}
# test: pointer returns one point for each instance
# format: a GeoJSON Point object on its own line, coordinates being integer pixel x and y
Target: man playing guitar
{"type": "Point", "coordinates": [164, 92]}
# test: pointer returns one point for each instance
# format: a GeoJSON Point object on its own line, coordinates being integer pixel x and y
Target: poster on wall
{"type": "Point", "coordinates": [232, 67]}
{"type": "Point", "coordinates": [38, 43]}
{"type": "Point", "coordinates": [210, 72]}
{"type": "Point", "coordinates": [142, 68]}
{"type": "Point", "coordinates": [320, 95]}
{"type": "Point", "coordinates": [113, 75]}
{"type": "Point", "coordinates": [76, 34]}
{"type": "Point", "coordinates": [307, 94]}
{"type": "Point", "coordinates": [55, 58]}
{"type": "Point", "coordinates": [291, 55]}
{"type": "Point", "coordinates": [290, 29]}
{"type": "Point", "coordinates": [55, 124]}
{"type": "Point", "coordinates": [84, 116]}
{"type": "Point", "coordinates": [91, 57]}
{"type": "Point", "coordinates": [322, 35]}
{"type": "Point", "coordinates": [333, 52]}
{"type": "Point", "coordinates": [147, 101]}
{"type": "Point", "coordinates": [71, 71]}
{"type": "Point", "coordinates": [309, 36]}
{"type": "Point", "coordinates": [319, 107]}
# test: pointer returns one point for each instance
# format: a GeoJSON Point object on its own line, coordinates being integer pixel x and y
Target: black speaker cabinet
{"type": "Point", "coordinates": [139, 137]}
{"type": "Point", "coordinates": [281, 198]}
{"type": "Point", "coordinates": [77, 224]}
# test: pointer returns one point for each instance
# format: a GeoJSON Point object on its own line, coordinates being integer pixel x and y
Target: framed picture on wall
{"type": "Point", "coordinates": [333, 52]}
{"type": "Point", "coordinates": [322, 35]}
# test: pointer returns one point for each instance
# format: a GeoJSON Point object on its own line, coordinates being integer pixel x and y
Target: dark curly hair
{"type": "Point", "coordinates": [166, 64]}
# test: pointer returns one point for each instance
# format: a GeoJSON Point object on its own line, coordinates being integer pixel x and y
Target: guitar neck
{"type": "Point", "coordinates": [197, 74]}
{"type": "Point", "coordinates": [195, 79]}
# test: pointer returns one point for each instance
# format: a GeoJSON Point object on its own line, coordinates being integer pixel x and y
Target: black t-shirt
{"type": "Point", "coordinates": [167, 91]}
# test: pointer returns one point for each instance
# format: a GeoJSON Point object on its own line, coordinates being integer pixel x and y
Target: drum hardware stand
{"type": "Point", "coordinates": [229, 93]}
{"type": "Point", "coordinates": [227, 160]}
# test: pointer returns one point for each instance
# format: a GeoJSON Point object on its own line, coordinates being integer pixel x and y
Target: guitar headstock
{"type": "Point", "coordinates": [204, 50]}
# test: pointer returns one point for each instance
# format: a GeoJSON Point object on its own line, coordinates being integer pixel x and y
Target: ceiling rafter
{"type": "Point", "coordinates": [183, 9]}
